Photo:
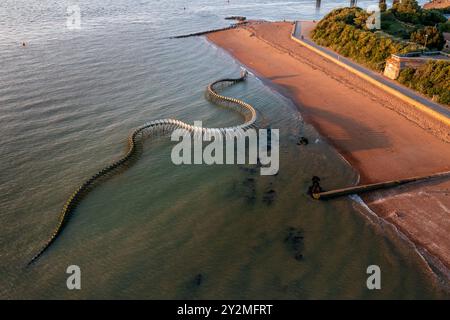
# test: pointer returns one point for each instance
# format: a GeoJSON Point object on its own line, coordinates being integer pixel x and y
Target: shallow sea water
{"type": "Point", "coordinates": [67, 102]}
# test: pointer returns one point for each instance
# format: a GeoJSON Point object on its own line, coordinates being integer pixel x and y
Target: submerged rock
{"type": "Point", "coordinates": [198, 279]}
{"type": "Point", "coordinates": [269, 196]}
{"type": "Point", "coordinates": [298, 257]}
{"type": "Point", "coordinates": [251, 170]}
{"type": "Point", "coordinates": [249, 190]}
{"type": "Point", "coordinates": [303, 141]}
{"type": "Point", "coordinates": [294, 242]}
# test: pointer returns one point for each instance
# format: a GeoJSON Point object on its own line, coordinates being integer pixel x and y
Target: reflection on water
{"type": "Point", "coordinates": [68, 100]}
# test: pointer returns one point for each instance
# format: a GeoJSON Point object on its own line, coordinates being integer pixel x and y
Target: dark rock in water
{"type": "Point", "coordinates": [248, 170]}
{"type": "Point", "coordinates": [249, 182]}
{"type": "Point", "coordinates": [246, 188]}
{"type": "Point", "coordinates": [303, 141]}
{"type": "Point", "coordinates": [298, 257]}
{"type": "Point", "coordinates": [294, 242]}
{"type": "Point", "coordinates": [198, 279]}
{"type": "Point", "coordinates": [269, 196]}
{"type": "Point", "coordinates": [249, 190]}
{"type": "Point", "coordinates": [294, 237]}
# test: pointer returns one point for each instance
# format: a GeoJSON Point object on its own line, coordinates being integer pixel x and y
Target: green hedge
{"type": "Point", "coordinates": [444, 27]}
{"type": "Point", "coordinates": [431, 79]}
{"type": "Point", "coordinates": [442, 10]}
{"type": "Point", "coordinates": [344, 31]}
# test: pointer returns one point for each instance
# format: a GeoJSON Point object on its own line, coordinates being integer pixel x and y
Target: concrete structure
{"type": "Point", "coordinates": [396, 63]}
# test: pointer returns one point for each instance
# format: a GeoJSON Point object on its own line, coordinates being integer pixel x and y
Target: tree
{"type": "Point", "coordinates": [406, 6]}
{"type": "Point", "coordinates": [383, 6]}
{"type": "Point", "coordinates": [432, 17]}
{"type": "Point", "coordinates": [407, 11]}
{"type": "Point", "coordinates": [429, 37]}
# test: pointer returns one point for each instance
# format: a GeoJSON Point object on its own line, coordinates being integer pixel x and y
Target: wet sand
{"type": "Point", "coordinates": [360, 121]}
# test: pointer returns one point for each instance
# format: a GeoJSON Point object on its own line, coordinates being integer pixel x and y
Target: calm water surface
{"type": "Point", "coordinates": [69, 99]}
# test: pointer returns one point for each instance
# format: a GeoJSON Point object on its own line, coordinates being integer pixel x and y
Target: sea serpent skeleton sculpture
{"type": "Point", "coordinates": [248, 112]}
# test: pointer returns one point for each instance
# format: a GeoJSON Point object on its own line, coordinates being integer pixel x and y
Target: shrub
{"type": "Point", "coordinates": [431, 79]}
{"type": "Point", "coordinates": [444, 27]}
{"type": "Point", "coordinates": [391, 25]}
{"type": "Point", "coordinates": [410, 11]}
{"type": "Point", "coordinates": [443, 10]}
{"type": "Point", "coordinates": [343, 30]}
{"type": "Point", "coordinates": [430, 37]}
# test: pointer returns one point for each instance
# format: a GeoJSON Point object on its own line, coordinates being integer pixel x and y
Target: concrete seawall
{"type": "Point", "coordinates": [424, 115]}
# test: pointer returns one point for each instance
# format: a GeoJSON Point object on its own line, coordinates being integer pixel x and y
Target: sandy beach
{"type": "Point", "coordinates": [364, 124]}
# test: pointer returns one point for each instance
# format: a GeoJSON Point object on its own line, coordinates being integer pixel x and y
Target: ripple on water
{"type": "Point", "coordinates": [68, 101]}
